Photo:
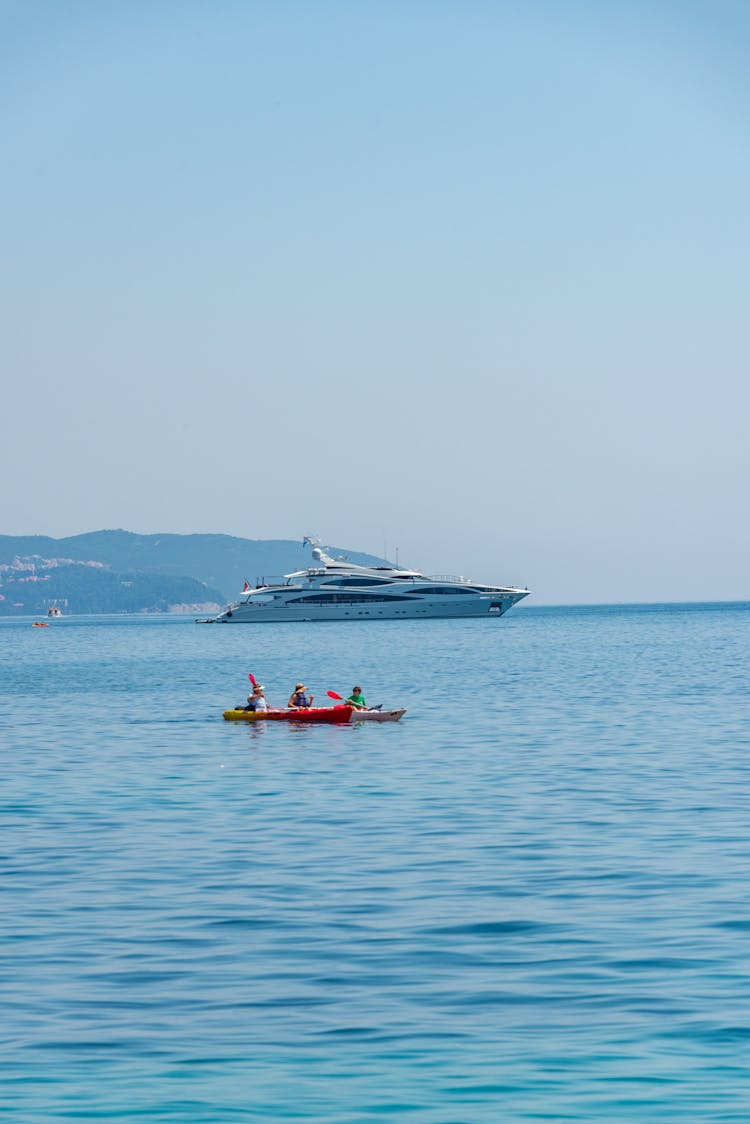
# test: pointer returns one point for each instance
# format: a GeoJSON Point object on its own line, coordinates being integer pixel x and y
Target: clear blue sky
{"type": "Point", "coordinates": [469, 279]}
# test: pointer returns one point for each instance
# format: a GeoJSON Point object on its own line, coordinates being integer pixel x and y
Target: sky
{"type": "Point", "coordinates": [462, 282]}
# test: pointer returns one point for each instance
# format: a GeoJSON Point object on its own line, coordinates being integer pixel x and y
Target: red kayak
{"type": "Point", "coordinates": [335, 714]}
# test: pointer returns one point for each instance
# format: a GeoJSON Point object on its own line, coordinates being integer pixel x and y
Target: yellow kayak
{"type": "Point", "coordinates": [335, 714]}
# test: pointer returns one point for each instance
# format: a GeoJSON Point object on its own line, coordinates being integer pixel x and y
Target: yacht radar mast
{"type": "Point", "coordinates": [319, 555]}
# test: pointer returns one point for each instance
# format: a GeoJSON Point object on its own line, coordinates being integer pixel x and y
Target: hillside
{"type": "Point", "coordinates": [118, 571]}
{"type": "Point", "coordinates": [31, 585]}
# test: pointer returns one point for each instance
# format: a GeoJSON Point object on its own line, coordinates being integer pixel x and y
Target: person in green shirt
{"type": "Point", "coordinates": [357, 699]}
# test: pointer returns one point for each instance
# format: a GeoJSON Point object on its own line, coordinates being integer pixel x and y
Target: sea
{"type": "Point", "coordinates": [528, 900]}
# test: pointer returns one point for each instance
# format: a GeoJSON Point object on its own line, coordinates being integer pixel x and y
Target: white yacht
{"type": "Point", "coordinates": [337, 590]}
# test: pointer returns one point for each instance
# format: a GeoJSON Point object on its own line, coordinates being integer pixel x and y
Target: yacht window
{"type": "Point", "coordinates": [343, 580]}
{"type": "Point", "coordinates": [434, 590]}
{"type": "Point", "coordinates": [344, 599]}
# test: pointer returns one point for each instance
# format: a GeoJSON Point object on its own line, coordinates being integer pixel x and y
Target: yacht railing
{"type": "Point", "coordinates": [272, 579]}
{"type": "Point", "coordinates": [449, 578]}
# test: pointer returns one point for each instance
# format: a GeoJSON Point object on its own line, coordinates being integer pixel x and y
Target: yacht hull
{"type": "Point", "coordinates": [483, 605]}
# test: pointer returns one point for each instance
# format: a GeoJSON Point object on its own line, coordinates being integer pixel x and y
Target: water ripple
{"type": "Point", "coordinates": [528, 910]}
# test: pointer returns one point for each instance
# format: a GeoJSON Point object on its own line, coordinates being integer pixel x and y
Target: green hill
{"type": "Point", "coordinates": [118, 571]}
{"type": "Point", "coordinates": [35, 584]}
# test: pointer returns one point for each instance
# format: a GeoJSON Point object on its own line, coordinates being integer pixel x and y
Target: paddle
{"type": "Point", "coordinates": [252, 679]}
{"type": "Point", "coordinates": [333, 695]}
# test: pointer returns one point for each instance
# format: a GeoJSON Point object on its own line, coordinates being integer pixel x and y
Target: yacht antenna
{"type": "Point", "coordinates": [318, 553]}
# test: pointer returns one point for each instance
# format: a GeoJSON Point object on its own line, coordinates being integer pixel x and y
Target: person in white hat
{"type": "Point", "coordinates": [257, 701]}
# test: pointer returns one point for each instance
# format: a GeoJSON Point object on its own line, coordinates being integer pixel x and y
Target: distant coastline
{"type": "Point", "coordinates": [123, 572]}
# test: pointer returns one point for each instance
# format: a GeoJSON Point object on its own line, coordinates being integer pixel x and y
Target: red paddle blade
{"type": "Point", "coordinates": [333, 695]}
{"type": "Point", "coordinates": [252, 678]}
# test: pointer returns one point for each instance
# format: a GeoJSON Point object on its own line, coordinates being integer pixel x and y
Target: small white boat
{"type": "Point", "coordinates": [54, 611]}
{"type": "Point", "coordinates": [377, 715]}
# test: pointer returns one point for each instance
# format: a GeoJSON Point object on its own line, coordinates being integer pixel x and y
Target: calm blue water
{"type": "Point", "coordinates": [529, 900]}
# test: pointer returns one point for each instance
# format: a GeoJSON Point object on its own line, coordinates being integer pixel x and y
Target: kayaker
{"type": "Point", "coordinates": [256, 701]}
{"type": "Point", "coordinates": [299, 700]}
{"type": "Point", "coordinates": [357, 699]}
